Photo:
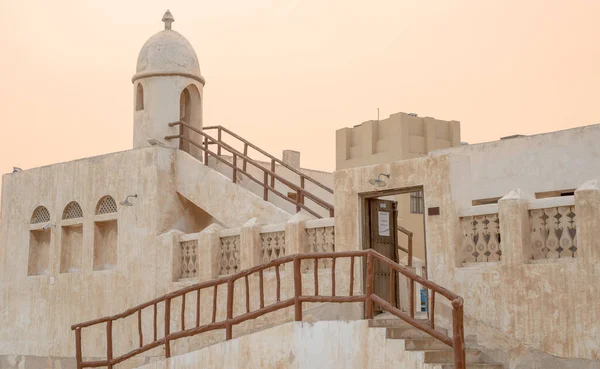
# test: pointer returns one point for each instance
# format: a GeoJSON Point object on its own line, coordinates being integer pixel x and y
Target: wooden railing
{"type": "Point", "coordinates": [409, 249]}
{"type": "Point", "coordinates": [369, 298]}
{"type": "Point", "coordinates": [269, 176]}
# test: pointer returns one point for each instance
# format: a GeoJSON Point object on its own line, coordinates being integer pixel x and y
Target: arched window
{"type": "Point", "coordinates": [139, 97]}
{"type": "Point", "coordinates": [72, 211]}
{"type": "Point", "coordinates": [106, 205]}
{"type": "Point", "coordinates": [106, 234]}
{"type": "Point", "coordinates": [190, 112]}
{"type": "Point", "coordinates": [40, 215]}
{"type": "Point", "coordinates": [39, 243]}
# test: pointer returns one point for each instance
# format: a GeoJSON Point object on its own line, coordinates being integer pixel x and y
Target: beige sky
{"type": "Point", "coordinates": [287, 74]}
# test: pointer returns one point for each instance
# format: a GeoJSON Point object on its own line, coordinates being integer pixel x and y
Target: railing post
{"type": "Point", "coordinates": [219, 139]}
{"type": "Point", "coordinates": [266, 189]}
{"type": "Point", "coordinates": [234, 168]}
{"type": "Point", "coordinates": [78, 347]}
{"type": "Point", "coordinates": [369, 292]}
{"type": "Point", "coordinates": [109, 344]}
{"type": "Point", "coordinates": [412, 298]}
{"type": "Point", "coordinates": [167, 327]}
{"type": "Point", "coordinates": [228, 325]}
{"type": "Point", "coordinates": [205, 150]}
{"type": "Point", "coordinates": [302, 193]}
{"type": "Point", "coordinates": [297, 288]}
{"type": "Point", "coordinates": [273, 170]}
{"type": "Point", "coordinates": [410, 250]}
{"type": "Point", "coordinates": [245, 156]}
{"type": "Point", "coordinates": [458, 334]}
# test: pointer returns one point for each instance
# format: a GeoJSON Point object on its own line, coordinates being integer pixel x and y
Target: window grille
{"type": "Point", "coordinates": [40, 215]}
{"type": "Point", "coordinates": [72, 211]}
{"type": "Point", "coordinates": [106, 205]}
{"type": "Point", "coordinates": [416, 202]}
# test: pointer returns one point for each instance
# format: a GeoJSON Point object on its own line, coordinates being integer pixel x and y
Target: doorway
{"type": "Point", "coordinates": [394, 225]}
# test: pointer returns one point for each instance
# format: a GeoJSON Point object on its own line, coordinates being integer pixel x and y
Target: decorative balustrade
{"type": "Point", "coordinates": [553, 233]}
{"type": "Point", "coordinates": [229, 252]}
{"type": "Point", "coordinates": [481, 238]}
{"type": "Point", "coordinates": [321, 238]}
{"type": "Point", "coordinates": [189, 258]}
{"type": "Point", "coordinates": [272, 243]}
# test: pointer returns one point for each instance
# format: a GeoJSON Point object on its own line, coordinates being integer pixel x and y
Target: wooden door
{"type": "Point", "coordinates": [383, 215]}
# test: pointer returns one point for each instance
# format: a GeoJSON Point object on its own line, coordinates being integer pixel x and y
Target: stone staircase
{"type": "Point", "coordinates": [436, 354]}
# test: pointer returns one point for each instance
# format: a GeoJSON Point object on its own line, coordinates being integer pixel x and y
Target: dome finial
{"type": "Point", "coordinates": [168, 19]}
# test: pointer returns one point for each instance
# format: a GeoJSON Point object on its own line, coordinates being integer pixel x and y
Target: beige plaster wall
{"type": "Point", "coordinates": [401, 136]}
{"type": "Point", "coordinates": [37, 311]}
{"type": "Point", "coordinates": [331, 344]}
{"type": "Point", "coordinates": [550, 306]}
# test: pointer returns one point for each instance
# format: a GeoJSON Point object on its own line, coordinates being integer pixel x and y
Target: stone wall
{"type": "Point", "coordinates": [548, 305]}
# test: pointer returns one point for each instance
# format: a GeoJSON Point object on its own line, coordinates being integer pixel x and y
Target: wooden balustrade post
{"type": "Point", "coordinates": [205, 150]}
{"type": "Point", "coordinates": [78, 356]}
{"type": "Point", "coordinates": [458, 334]}
{"type": "Point", "coordinates": [266, 189]}
{"type": "Point", "coordinates": [109, 344]}
{"type": "Point", "coordinates": [219, 139]}
{"type": "Point", "coordinates": [245, 156]}
{"type": "Point", "coordinates": [167, 327]}
{"type": "Point", "coordinates": [273, 170]}
{"type": "Point", "coordinates": [410, 250]}
{"type": "Point", "coordinates": [297, 289]}
{"type": "Point", "coordinates": [432, 309]}
{"type": "Point", "coordinates": [228, 325]}
{"type": "Point", "coordinates": [234, 168]}
{"type": "Point", "coordinates": [412, 298]}
{"type": "Point", "coordinates": [369, 291]}
{"type": "Point", "coordinates": [180, 136]}
{"type": "Point", "coordinates": [302, 193]}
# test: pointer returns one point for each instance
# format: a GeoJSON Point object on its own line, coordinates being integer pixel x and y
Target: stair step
{"type": "Point", "coordinates": [410, 332]}
{"type": "Point", "coordinates": [425, 344]}
{"type": "Point", "coordinates": [447, 356]}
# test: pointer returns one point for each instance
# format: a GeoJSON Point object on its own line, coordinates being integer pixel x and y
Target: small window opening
{"type": "Point", "coordinates": [416, 202]}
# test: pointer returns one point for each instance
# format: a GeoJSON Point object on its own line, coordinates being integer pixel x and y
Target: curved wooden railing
{"type": "Point", "coordinates": [269, 175]}
{"type": "Point", "coordinates": [369, 298]}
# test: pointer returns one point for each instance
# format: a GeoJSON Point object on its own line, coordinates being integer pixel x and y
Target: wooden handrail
{"type": "Point", "coordinates": [408, 250]}
{"type": "Point", "coordinates": [273, 158]}
{"type": "Point", "coordinates": [369, 298]}
{"type": "Point", "coordinates": [300, 191]}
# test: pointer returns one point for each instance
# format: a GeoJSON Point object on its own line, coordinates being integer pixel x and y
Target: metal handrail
{"type": "Point", "coordinates": [268, 187]}
{"type": "Point", "coordinates": [369, 298]}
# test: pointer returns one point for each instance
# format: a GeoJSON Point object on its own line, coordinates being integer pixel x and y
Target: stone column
{"type": "Point", "coordinates": [209, 252]}
{"type": "Point", "coordinates": [587, 221]}
{"type": "Point", "coordinates": [171, 251]}
{"type": "Point", "coordinates": [250, 244]}
{"type": "Point", "coordinates": [515, 239]}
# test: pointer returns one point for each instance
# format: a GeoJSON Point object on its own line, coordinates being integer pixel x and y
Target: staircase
{"type": "Point", "coordinates": [435, 353]}
{"type": "Point", "coordinates": [252, 301]}
{"type": "Point", "coordinates": [304, 188]}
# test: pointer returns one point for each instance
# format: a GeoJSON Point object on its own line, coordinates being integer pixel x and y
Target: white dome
{"type": "Point", "coordinates": [168, 53]}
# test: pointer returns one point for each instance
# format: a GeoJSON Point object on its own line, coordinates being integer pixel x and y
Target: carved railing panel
{"type": "Point", "coordinates": [321, 239]}
{"type": "Point", "coordinates": [230, 255]}
{"type": "Point", "coordinates": [272, 246]}
{"type": "Point", "coordinates": [189, 259]}
{"type": "Point", "coordinates": [553, 233]}
{"type": "Point", "coordinates": [481, 238]}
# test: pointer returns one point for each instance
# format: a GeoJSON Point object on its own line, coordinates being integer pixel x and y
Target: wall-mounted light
{"type": "Point", "coordinates": [47, 226]}
{"type": "Point", "coordinates": [378, 182]}
{"type": "Point", "coordinates": [126, 202]}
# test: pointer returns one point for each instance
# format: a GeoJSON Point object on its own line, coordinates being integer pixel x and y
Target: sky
{"type": "Point", "coordinates": [288, 74]}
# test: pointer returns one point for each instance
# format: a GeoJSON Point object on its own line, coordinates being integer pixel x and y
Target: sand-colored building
{"type": "Point", "coordinates": [190, 250]}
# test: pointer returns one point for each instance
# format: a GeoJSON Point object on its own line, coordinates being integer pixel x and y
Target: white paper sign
{"type": "Point", "coordinates": [384, 223]}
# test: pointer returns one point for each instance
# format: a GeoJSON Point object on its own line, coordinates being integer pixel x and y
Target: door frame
{"type": "Point", "coordinates": [364, 228]}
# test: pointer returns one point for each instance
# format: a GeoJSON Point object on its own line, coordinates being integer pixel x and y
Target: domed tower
{"type": "Point", "coordinates": [167, 87]}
